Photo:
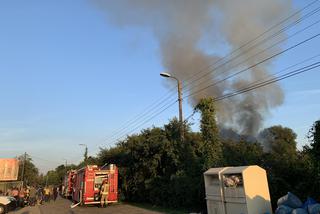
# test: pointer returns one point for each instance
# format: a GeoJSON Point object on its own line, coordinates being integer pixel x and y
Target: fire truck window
{"type": "Point", "coordinates": [98, 180]}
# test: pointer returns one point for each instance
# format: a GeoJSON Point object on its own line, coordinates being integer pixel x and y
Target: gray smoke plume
{"type": "Point", "coordinates": [193, 34]}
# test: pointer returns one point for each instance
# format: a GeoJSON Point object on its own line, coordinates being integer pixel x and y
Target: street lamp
{"type": "Point", "coordinates": [85, 151]}
{"type": "Point", "coordinates": [167, 75]}
{"type": "Point", "coordinates": [66, 162]}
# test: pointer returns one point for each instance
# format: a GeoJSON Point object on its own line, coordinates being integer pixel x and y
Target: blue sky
{"type": "Point", "coordinates": [68, 76]}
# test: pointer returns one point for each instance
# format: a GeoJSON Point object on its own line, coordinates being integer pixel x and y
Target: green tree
{"type": "Point", "coordinates": [88, 161]}
{"type": "Point", "coordinates": [314, 153]}
{"type": "Point", "coordinates": [314, 138]}
{"type": "Point", "coordinates": [211, 148]}
{"type": "Point", "coordinates": [31, 172]}
{"type": "Point", "coordinates": [279, 140]}
{"type": "Point", "coordinates": [281, 161]}
{"type": "Point", "coordinates": [52, 178]}
{"type": "Point", "coordinates": [242, 153]}
{"type": "Point", "coordinates": [154, 167]}
{"type": "Point", "coordinates": [85, 154]}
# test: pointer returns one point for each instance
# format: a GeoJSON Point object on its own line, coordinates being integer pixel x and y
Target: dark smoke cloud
{"type": "Point", "coordinates": [182, 27]}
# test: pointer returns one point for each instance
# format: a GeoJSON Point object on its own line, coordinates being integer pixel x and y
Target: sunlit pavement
{"type": "Point", "coordinates": [63, 206]}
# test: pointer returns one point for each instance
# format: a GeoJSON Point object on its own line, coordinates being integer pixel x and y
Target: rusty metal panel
{"type": "Point", "coordinates": [9, 169]}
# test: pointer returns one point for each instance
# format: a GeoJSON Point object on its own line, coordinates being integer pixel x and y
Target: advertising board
{"type": "Point", "coordinates": [9, 169]}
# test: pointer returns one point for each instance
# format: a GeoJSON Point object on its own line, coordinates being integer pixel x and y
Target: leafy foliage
{"type": "Point", "coordinates": [31, 172]}
{"type": "Point", "coordinates": [156, 168]}
{"type": "Point", "coordinates": [314, 152]}
{"type": "Point", "coordinates": [55, 177]}
{"type": "Point", "coordinates": [211, 145]}
{"type": "Point", "coordinates": [314, 137]}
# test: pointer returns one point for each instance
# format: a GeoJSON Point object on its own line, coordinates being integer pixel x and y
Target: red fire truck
{"type": "Point", "coordinates": [87, 184]}
{"type": "Point", "coordinates": [68, 184]}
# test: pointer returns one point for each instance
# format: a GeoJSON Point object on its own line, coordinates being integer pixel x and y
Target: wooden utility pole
{"type": "Point", "coordinates": [180, 110]}
{"type": "Point", "coordinates": [47, 179]}
{"type": "Point", "coordinates": [23, 168]}
{"type": "Point", "coordinates": [167, 75]}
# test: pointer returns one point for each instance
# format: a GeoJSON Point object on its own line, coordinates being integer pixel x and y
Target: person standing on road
{"type": "Point", "coordinates": [32, 196]}
{"type": "Point", "coordinates": [50, 193]}
{"type": "Point", "coordinates": [21, 197]}
{"type": "Point", "coordinates": [104, 193]}
{"type": "Point", "coordinates": [46, 194]}
{"type": "Point", "coordinates": [15, 193]}
{"type": "Point", "coordinates": [55, 193]}
{"type": "Point", "coordinates": [40, 195]}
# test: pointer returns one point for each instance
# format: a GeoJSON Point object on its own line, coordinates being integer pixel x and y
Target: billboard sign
{"type": "Point", "coordinates": [9, 169]}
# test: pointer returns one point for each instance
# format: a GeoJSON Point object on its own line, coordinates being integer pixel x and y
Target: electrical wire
{"type": "Point", "coordinates": [261, 35]}
{"type": "Point", "coordinates": [143, 115]}
{"type": "Point", "coordinates": [147, 116]}
{"type": "Point", "coordinates": [138, 118]}
{"type": "Point", "coordinates": [266, 78]}
{"type": "Point", "coordinates": [146, 121]}
{"type": "Point", "coordinates": [252, 66]}
{"type": "Point", "coordinates": [145, 111]}
{"type": "Point", "coordinates": [268, 82]}
{"type": "Point", "coordinates": [255, 54]}
{"type": "Point", "coordinates": [254, 86]}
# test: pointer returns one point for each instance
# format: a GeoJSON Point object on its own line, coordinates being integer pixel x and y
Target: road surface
{"type": "Point", "coordinates": [62, 206]}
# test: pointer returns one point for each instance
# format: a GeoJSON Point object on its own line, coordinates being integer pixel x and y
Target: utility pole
{"type": "Point", "coordinates": [167, 75]}
{"type": "Point", "coordinates": [23, 168]}
{"type": "Point", "coordinates": [180, 110]}
{"type": "Point", "coordinates": [85, 151]}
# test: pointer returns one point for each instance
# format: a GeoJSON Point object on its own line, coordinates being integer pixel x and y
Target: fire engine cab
{"type": "Point", "coordinates": [88, 180]}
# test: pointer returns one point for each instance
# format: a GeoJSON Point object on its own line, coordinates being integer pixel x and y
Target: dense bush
{"type": "Point", "coordinates": [155, 167]}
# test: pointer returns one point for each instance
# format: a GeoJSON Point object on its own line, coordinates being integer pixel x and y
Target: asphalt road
{"type": "Point", "coordinates": [62, 206]}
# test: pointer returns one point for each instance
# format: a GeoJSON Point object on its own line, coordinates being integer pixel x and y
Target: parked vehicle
{"type": "Point", "coordinates": [7, 204]}
{"type": "Point", "coordinates": [68, 184]}
{"type": "Point", "coordinates": [87, 184]}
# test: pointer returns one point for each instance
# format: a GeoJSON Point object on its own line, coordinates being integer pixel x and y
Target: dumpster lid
{"type": "Point", "coordinates": [240, 169]}
{"type": "Point", "coordinates": [214, 171]}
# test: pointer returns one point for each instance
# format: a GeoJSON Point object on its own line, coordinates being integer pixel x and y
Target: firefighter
{"type": "Point", "coordinates": [47, 194]}
{"type": "Point", "coordinates": [55, 193]}
{"type": "Point", "coordinates": [39, 195]}
{"type": "Point", "coordinates": [32, 196]}
{"type": "Point", "coordinates": [104, 192]}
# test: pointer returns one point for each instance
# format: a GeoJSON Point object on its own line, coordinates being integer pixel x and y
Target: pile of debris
{"type": "Point", "coordinates": [291, 204]}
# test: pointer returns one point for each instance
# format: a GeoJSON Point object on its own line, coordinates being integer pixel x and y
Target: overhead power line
{"type": "Point", "coordinates": [151, 110]}
{"type": "Point", "coordinates": [270, 81]}
{"type": "Point", "coordinates": [42, 159]}
{"type": "Point", "coordinates": [259, 36]}
{"type": "Point", "coordinates": [250, 87]}
{"type": "Point", "coordinates": [156, 106]}
{"type": "Point", "coordinates": [147, 115]}
{"type": "Point", "coordinates": [252, 66]}
{"type": "Point", "coordinates": [254, 86]}
{"type": "Point", "coordinates": [147, 111]}
{"type": "Point", "coordinates": [146, 121]}
{"type": "Point", "coordinates": [255, 54]}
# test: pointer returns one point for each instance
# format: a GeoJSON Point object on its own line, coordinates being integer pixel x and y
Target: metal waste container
{"type": "Point", "coordinates": [246, 190]}
{"type": "Point", "coordinates": [214, 190]}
